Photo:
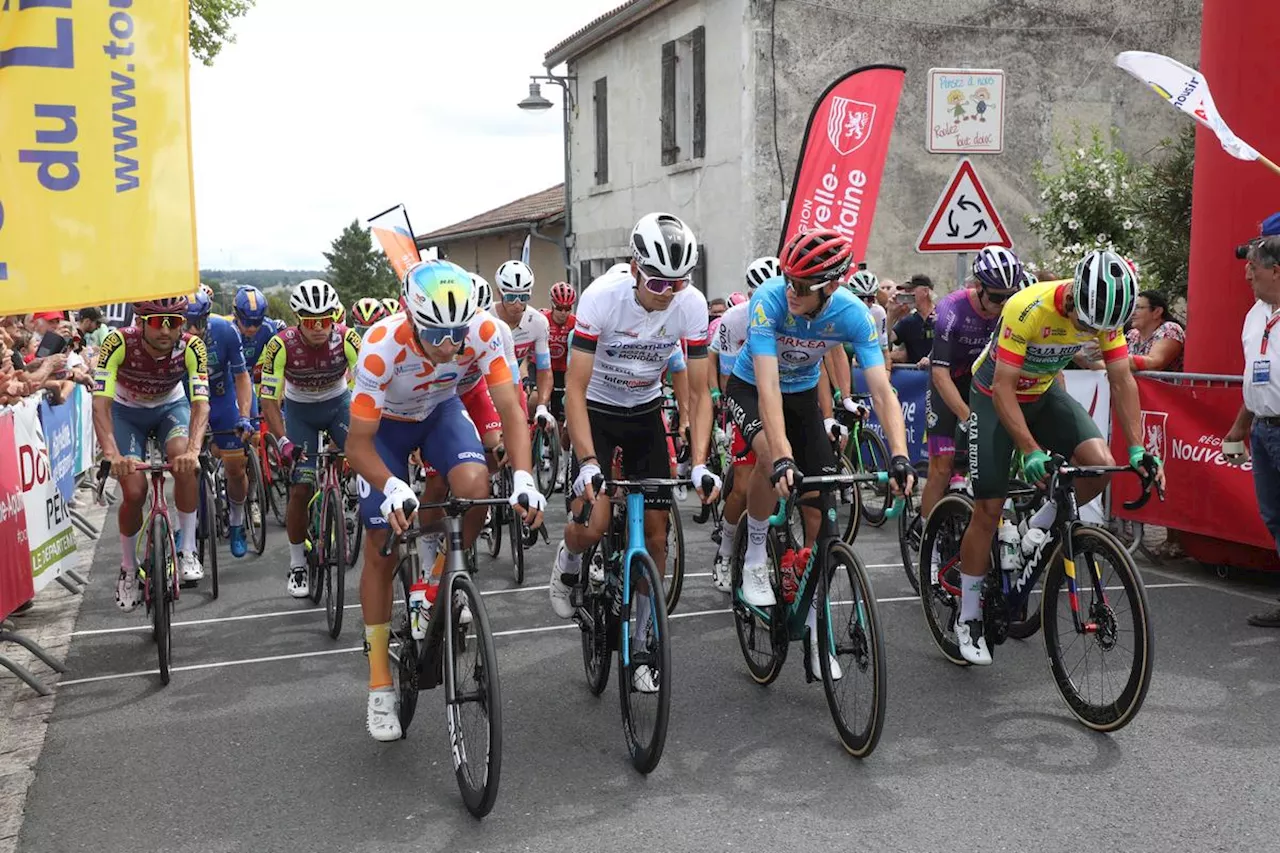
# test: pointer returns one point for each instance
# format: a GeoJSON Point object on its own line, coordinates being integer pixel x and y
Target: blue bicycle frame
{"type": "Point", "coordinates": [635, 544]}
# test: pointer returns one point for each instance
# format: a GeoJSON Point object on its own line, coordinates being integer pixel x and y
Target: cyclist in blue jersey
{"type": "Point", "coordinates": [230, 398]}
{"type": "Point", "coordinates": [798, 321]}
{"type": "Point", "coordinates": [255, 328]}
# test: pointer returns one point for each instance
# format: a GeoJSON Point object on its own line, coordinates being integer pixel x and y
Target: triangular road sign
{"type": "Point", "coordinates": [963, 220]}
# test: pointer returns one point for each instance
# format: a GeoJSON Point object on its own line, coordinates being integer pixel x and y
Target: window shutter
{"type": "Point", "coordinates": [699, 92]}
{"type": "Point", "coordinates": [602, 130]}
{"type": "Point", "coordinates": [669, 149]}
{"type": "Point", "coordinates": [584, 274]}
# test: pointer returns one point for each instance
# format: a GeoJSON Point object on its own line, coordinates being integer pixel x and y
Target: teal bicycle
{"type": "Point", "coordinates": [852, 670]}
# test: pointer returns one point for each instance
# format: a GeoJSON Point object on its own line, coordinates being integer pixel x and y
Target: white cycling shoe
{"type": "Point", "coordinates": [297, 585]}
{"type": "Point", "coordinates": [643, 679]}
{"type": "Point", "coordinates": [128, 590]}
{"type": "Point", "coordinates": [815, 663]}
{"type": "Point", "coordinates": [972, 641]}
{"type": "Point", "coordinates": [190, 566]}
{"type": "Point", "coordinates": [721, 577]}
{"type": "Point", "coordinates": [756, 588]}
{"type": "Point", "coordinates": [382, 717]}
{"type": "Point", "coordinates": [557, 588]}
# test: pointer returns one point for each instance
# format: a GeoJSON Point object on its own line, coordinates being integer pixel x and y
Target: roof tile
{"type": "Point", "coordinates": [532, 208]}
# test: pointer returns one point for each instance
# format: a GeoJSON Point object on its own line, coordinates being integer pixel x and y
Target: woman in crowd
{"type": "Point", "coordinates": [1155, 340]}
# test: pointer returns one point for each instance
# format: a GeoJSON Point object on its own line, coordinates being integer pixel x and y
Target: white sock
{"type": "Point", "coordinates": [236, 513]}
{"type": "Point", "coordinates": [644, 607]}
{"type": "Point", "coordinates": [727, 534]}
{"type": "Point", "coordinates": [429, 546]}
{"type": "Point", "coordinates": [297, 555]}
{"type": "Point", "coordinates": [572, 562]}
{"type": "Point", "coordinates": [129, 552]}
{"type": "Point", "coordinates": [187, 526]}
{"type": "Point", "coordinates": [1044, 516]}
{"type": "Point", "coordinates": [757, 535]}
{"type": "Point", "coordinates": [970, 598]}
{"type": "Point", "coordinates": [811, 621]}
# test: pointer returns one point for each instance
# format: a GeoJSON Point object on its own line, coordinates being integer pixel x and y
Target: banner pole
{"type": "Point", "coordinates": [1270, 165]}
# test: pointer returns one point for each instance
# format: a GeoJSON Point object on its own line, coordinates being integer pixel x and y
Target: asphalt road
{"type": "Point", "coordinates": [259, 741]}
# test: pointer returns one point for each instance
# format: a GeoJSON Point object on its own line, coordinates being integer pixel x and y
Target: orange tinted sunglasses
{"type": "Point", "coordinates": [317, 322]}
{"type": "Point", "coordinates": [164, 321]}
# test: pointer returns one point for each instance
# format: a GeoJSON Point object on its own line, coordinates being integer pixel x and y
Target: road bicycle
{"type": "Point", "coordinates": [867, 454]}
{"type": "Point", "coordinates": [326, 536]}
{"type": "Point", "coordinates": [502, 516]}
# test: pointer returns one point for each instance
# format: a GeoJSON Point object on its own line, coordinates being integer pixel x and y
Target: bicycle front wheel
{"type": "Point", "coordinates": [278, 491]}
{"type": "Point", "coordinates": [939, 571]}
{"type": "Point", "coordinates": [674, 581]}
{"type": "Point", "coordinates": [546, 459]}
{"type": "Point", "coordinates": [852, 655]}
{"type": "Point", "coordinates": [644, 665]}
{"type": "Point", "coordinates": [764, 641]}
{"type": "Point", "coordinates": [910, 532]}
{"type": "Point", "coordinates": [853, 520]}
{"type": "Point", "coordinates": [333, 570]}
{"type": "Point", "coordinates": [474, 712]}
{"type": "Point", "coordinates": [161, 593]}
{"type": "Point", "coordinates": [872, 457]}
{"type": "Point", "coordinates": [255, 504]}
{"type": "Point", "coordinates": [207, 530]}
{"type": "Point", "coordinates": [597, 653]}
{"type": "Point", "coordinates": [1103, 670]}
{"type": "Point", "coordinates": [351, 521]}
{"type": "Point", "coordinates": [515, 532]}
{"type": "Point", "coordinates": [405, 650]}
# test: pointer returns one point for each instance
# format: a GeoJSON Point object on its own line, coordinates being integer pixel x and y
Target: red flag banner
{"type": "Point", "coordinates": [391, 228]}
{"type": "Point", "coordinates": [842, 157]}
{"type": "Point", "coordinates": [16, 583]}
{"type": "Point", "coordinates": [1184, 425]}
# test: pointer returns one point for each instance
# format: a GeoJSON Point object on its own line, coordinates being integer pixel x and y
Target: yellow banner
{"type": "Point", "coordinates": [96, 204]}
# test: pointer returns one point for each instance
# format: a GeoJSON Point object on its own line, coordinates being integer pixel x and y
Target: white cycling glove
{"type": "Point", "coordinates": [834, 428]}
{"type": "Point", "coordinates": [522, 484]}
{"type": "Point", "coordinates": [397, 495]}
{"type": "Point", "coordinates": [541, 414]}
{"type": "Point", "coordinates": [853, 407]}
{"type": "Point", "coordinates": [585, 475]}
{"type": "Point", "coordinates": [700, 471]}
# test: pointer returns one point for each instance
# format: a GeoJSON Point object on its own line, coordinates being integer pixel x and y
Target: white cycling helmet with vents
{"type": "Point", "coordinates": [315, 297]}
{"type": "Point", "coordinates": [515, 277]}
{"type": "Point", "coordinates": [484, 292]}
{"type": "Point", "coordinates": [663, 246]}
{"type": "Point", "coordinates": [761, 270]}
{"type": "Point", "coordinates": [864, 283]}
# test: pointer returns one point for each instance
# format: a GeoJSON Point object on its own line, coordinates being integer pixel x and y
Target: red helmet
{"type": "Point", "coordinates": [166, 305]}
{"type": "Point", "coordinates": [821, 256]}
{"type": "Point", "coordinates": [563, 295]}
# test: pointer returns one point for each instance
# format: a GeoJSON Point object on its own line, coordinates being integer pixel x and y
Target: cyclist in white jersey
{"type": "Point", "coordinates": [529, 328]}
{"type": "Point", "coordinates": [865, 285]}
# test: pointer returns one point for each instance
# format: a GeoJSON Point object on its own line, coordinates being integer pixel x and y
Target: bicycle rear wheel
{"type": "Point", "coordinates": [493, 532]}
{"type": "Point", "coordinates": [910, 532]}
{"type": "Point", "coordinates": [873, 457]}
{"type": "Point", "coordinates": [1118, 639]}
{"type": "Point", "coordinates": [333, 569]}
{"type": "Point", "coordinates": [278, 490]}
{"type": "Point", "coordinates": [255, 504]}
{"type": "Point", "coordinates": [475, 711]}
{"type": "Point", "coordinates": [546, 459]}
{"type": "Point", "coordinates": [161, 594]}
{"type": "Point", "coordinates": [645, 713]}
{"type": "Point", "coordinates": [764, 642]}
{"type": "Point", "coordinates": [849, 627]}
{"type": "Point", "coordinates": [597, 654]}
{"type": "Point", "coordinates": [673, 583]}
{"type": "Point", "coordinates": [351, 521]}
{"type": "Point", "coordinates": [405, 650]}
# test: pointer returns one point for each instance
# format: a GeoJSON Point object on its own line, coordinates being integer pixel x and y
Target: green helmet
{"type": "Point", "coordinates": [1105, 290]}
{"type": "Point", "coordinates": [864, 283]}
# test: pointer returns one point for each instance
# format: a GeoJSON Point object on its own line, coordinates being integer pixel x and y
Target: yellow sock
{"type": "Point", "coordinates": [377, 639]}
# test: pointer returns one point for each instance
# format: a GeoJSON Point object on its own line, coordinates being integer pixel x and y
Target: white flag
{"type": "Point", "coordinates": [525, 250]}
{"type": "Point", "coordinates": [1187, 90]}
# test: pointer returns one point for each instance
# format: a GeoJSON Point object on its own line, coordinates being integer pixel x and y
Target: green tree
{"type": "Point", "coordinates": [1163, 210]}
{"type": "Point", "coordinates": [356, 269]}
{"type": "Point", "coordinates": [210, 25]}
{"type": "Point", "coordinates": [278, 306]}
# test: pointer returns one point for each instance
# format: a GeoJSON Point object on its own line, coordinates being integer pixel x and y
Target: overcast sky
{"type": "Point", "coordinates": [326, 111]}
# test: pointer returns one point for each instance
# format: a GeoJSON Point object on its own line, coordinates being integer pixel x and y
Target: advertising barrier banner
{"type": "Point", "coordinates": [49, 532]}
{"type": "Point", "coordinates": [61, 433]}
{"type": "Point", "coordinates": [16, 583]}
{"type": "Point", "coordinates": [911, 385]}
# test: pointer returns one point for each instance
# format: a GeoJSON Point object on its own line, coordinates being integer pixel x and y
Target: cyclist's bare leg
{"type": "Point", "coordinates": [233, 463]}
{"type": "Point", "coordinates": [185, 486]}
{"type": "Point", "coordinates": [133, 491]}
{"type": "Point", "coordinates": [579, 537]}
{"type": "Point", "coordinates": [491, 441]}
{"type": "Point", "coordinates": [940, 467]}
{"type": "Point", "coordinates": [375, 604]}
{"type": "Point", "coordinates": [296, 517]}
{"type": "Point", "coordinates": [470, 480]}
{"type": "Point", "coordinates": [1091, 452]}
{"type": "Point", "coordinates": [655, 538]}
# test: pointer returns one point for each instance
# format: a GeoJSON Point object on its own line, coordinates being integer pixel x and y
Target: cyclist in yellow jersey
{"type": "Point", "coordinates": [137, 392]}
{"type": "Point", "coordinates": [1016, 404]}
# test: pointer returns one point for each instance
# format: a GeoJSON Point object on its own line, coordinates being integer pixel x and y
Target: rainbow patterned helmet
{"type": "Point", "coordinates": [438, 294]}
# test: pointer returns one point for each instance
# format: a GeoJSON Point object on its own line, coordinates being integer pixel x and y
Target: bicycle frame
{"type": "Point", "coordinates": [328, 486]}
{"type": "Point", "coordinates": [159, 506]}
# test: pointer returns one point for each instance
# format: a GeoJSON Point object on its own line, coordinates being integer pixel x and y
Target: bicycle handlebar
{"type": "Point", "coordinates": [1063, 470]}
{"type": "Point", "coordinates": [452, 507]}
{"type": "Point", "coordinates": [599, 481]}
{"type": "Point", "coordinates": [825, 482]}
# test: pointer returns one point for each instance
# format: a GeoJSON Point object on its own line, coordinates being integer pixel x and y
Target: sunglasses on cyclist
{"type": "Point", "coordinates": [996, 297]}
{"type": "Point", "coordinates": [803, 286]}
{"type": "Point", "coordinates": [197, 322]}
{"type": "Point", "coordinates": [511, 298]}
{"type": "Point", "coordinates": [456, 335]}
{"type": "Point", "coordinates": [325, 322]}
{"type": "Point", "coordinates": [654, 284]}
{"type": "Point", "coordinates": [164, 321]}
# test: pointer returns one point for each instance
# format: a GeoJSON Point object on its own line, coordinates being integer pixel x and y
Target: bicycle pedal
{"type": "Point", "coordinates": [188, 584]}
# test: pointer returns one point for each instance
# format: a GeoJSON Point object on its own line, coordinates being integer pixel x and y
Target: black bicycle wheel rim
{"type": "Point", "coordinates": [477, 761]}
{"type": "Point", "coordinates": [850, 619]}
{"type": "Point", "coordinates": [160, 594]}
{"type": "Point", "coordinates": [875, 458]}
{"type": "Point", "coordinates": [350, 504]}
{"type": "Point", "coordinates": [674, 580]}
{"type": "Point", "coordinates": [539, 451]}
{"type": "Point", "coordinates": [763, 645]}
{"type": "Point", "coordinates": [406, 650]}
{"type": "Point", "coordinates": [645, 730]}
{"type": "Point", "coordinates": [515, 534]}
{"type": "Point", "coordinates": [315, 556]}
{"type": "Point", "coordinates": [279, 489]}
{"type": "Point", "coordinates": [910, 529]}
{"type": "Point", "coordinates": [597, 658]}
{"type": "Point", "coordinates": [945, 527]}
{"type": "Point", "coordinates": [256, 498]}
{"type": "Point", "coordinates": [1061, 638]}
{"type": "Point", "coordinates": [854, 522]}
{"type": "Point", "coordinates": [335, 564]}
{"type": "Point", "coordinates": [211, 531]}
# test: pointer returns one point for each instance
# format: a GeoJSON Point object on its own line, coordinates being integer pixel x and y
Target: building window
{"type": "Point", "coordinates": [684, 98]}
{"type": "Point", "coordinates": [590, 270]}
{"type": "Point", "coordinates": [601, 101]}
{"type": "Point", "coordinates": [700, 271]}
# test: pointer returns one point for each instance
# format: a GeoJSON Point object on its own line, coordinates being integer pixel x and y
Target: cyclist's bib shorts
{"type": "Point", "coordinates": [224, 412]}
{"type": "Point", "coordinates": [132, 424]}
{"type": "Point", "coordinates": [810, 443]}
{"type": "Point", "coordinates": [445, 439]}
{"type": "Point", "coordinates": [303, 423]}
{"type": "Point", "coordinates": [940, 421]}
{"type": "Point", "coordinates": [1055, 419]}
{"type": "Point", "coordinates": [640, 435]}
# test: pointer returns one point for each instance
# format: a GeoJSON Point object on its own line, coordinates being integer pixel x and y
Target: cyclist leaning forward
{"type": "Point", "coordinates": [137, 392]}
{"type": "Point", "coordinates": [406, 400]}
{"type": "Point", "coordinates": [629, 323]}
{"type": "Point", "coordinates": [1020, 404]}
{"type": "Point", "coordinates": [560, 325]}
{"type": "Point", "coordinates": [965, 320]}
{"type": "Point", "coordinates": [307, 365]}
{"type": "Point", "coordinates": [797, 321]}
{"type": "Point", "coordinates": [230, 402]}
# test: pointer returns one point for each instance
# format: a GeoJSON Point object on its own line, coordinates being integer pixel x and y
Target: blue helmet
{"type": "Point", "coordinates": [250, 306]}
{"type": "Point", "coordinates": [198, 306]}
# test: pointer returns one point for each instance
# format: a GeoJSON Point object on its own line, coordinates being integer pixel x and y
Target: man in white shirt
{"type": "Point", "coordinates": [1259, 416]}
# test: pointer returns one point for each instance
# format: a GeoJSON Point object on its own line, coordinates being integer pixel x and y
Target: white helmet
{"type": "Point", "coordinates": [664, 246]}
{"type": "Point", "coordinates": [438, 294]}
{"type": "Point", "coordinates": [864, 283]}
{"type": "Point", "coordinates": [315, 297]}
{"type": "Point", "coordinates": [484, 292]}
{"type": "Point", "coordinates": [761, 270]}
{"type": "Point", "coordinates": [515, 277]}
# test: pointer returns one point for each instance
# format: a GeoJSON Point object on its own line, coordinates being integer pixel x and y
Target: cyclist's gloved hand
{"type": "Point", "coordinates": [699, 472]}
{"type": "Point", "coordinates": [835, 429]}
{"type": "Point", "coordinates": [289, 450]}
{"type": "Point", "coordinates": [902, 473]}
{"type": "Point", "coordinates": [244, 425]}
{"type": "Point", "coordinates": [853, 407]}
{"type": "Point", "coordinates": [523, 486]}
{"type": "Point", "coordinates": [784, 474]}
{"type": "Point", "coordinates": [1143, 462]}
{"type": "Point", "coordinates": [541, 415]}
{"type": "Point", "coordinates": [398, 503]}
{"type": "Point", "coordinates": [1035, 466]}
{"type": "Point", "coordinates": [586, 473]}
